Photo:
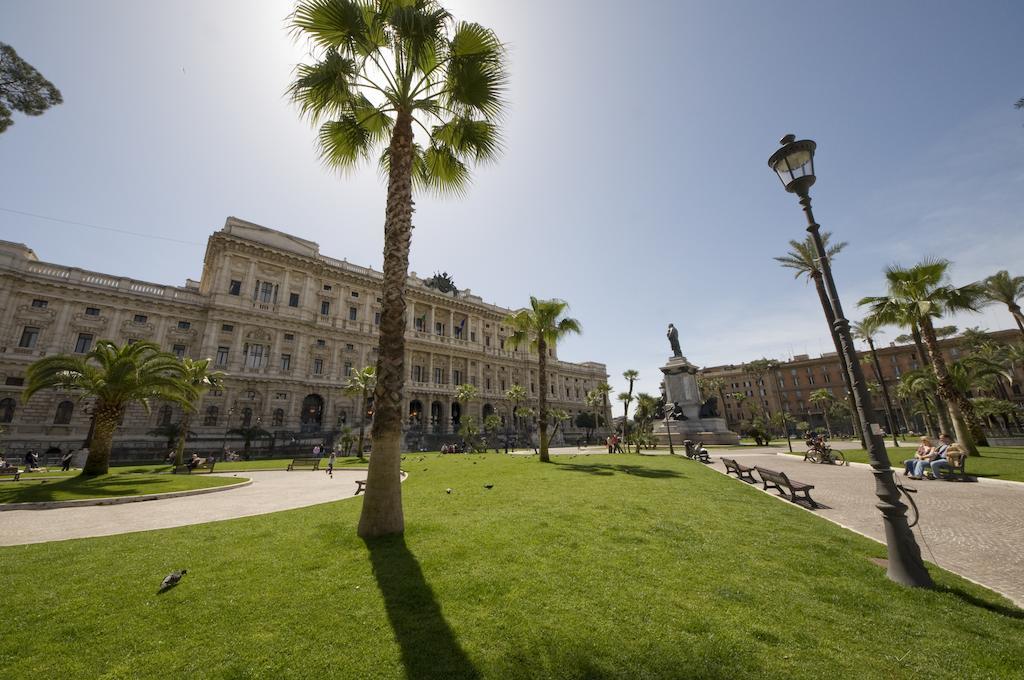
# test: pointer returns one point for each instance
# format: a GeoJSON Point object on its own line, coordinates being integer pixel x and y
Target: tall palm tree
{"type": "Point", "coordinates": [803, 259]}
{"type": "Point", "coordinates": [925, 292]}
{"type": "Point", "coordinates": [626, 398]}
{"type": "Point", "coordinates": [1001, 288]}
{"type": "Point", "coordinates": [386, 73]}
{"type": "Point", "coordinates": [916, 394]}
{"type": "Point", "coordinates": [464, 394]}
{"type": "Point", "coordinates": [604, 389]}
{"type": "Point", "coordinates": [643, 416]}
{"type": "Point", "coordinates": [515, 394]}
{"type": "Point", "coordinates": [866, 331]}
{"type": "Point", "coordinates": [631, 375]}
{"type": "Point", "coordinates": [541, 327]}
{"type": "Point", "coordinates": [362, 384]}
{"type": "Point", "coordinates": [115, 376]}
{"type": "Point", "coordinates": [595, 400]}
{"type": "Point", "coordinates": [197, 373]}
{"type": "Point", "coordinates": [824, 399]}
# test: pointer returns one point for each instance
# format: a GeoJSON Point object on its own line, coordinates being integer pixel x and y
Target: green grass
{"type": "Point", "coordinates": [223, 466]}
{"type": "Point", "coordinates": [994, 462]}
{"type": "Point", "coordinates": [104, 486]}
{"type": "Point", "coordinates": [590, 567]}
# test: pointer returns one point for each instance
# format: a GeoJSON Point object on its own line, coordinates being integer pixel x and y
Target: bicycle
{"type": "Point", "coordinates": [823, 453]}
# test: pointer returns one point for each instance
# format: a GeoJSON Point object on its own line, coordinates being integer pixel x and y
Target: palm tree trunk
{"type": "Point", "coordinates": [542, 403]}
{"type": "Point", "coordinates": [828, 425]}
{"type": "Point", "coordinates": [106, 419]}
{"type": "Point", "coordinates": [941, 408]}
{"type": "Point", "coordinates": [1018, 317]}
{"type": "Point", "coordinates": [830, 317]}
{"type": "Point", "coordinates": [893, 427]}
{"type": "Point", "coordinates": [382, 503]}
{"type": "Point", "coordinates": [362, 424]}
{"type": "Point", "coordinates": [946, 389]}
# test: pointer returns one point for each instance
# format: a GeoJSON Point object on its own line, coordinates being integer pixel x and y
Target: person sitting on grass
{"type": "Point", "coordinates": [923, 453]}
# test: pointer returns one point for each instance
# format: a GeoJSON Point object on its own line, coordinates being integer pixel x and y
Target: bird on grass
{"type": "Point", "coordinates": [447, 490]}
{"type": "Point", "coordinates": [488, 486]}
{"type": "Point", "coordinates": [172, 579]}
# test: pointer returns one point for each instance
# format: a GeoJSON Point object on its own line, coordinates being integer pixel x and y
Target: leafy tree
{"type": "Point", "coordinates": [589, 422]}
{"type": "Point", "coordinates": [388, 71]}
{"type": "Point", "coordinates": [631, 375]}
{"type": "Point", "coordinates": [115, 376]}
{"type": "Point", "coordinates": [866, 331]}
{"type": "Point", "coordinates": [802, 258]}
{"type": "Point", "coordinates": [922, 293]}
{"type": "Point", "coordinates": [1001, 288]}
{"type": "Point", "coordinates": [643, 416]}
{"type": "Point", "coordinates": [740, 399]}
{"type": "Point", "coordinates": [361, 384]}
{"type": "Point", "coordinates": [347, 439]}
{"type": "Point", "coordinates": [712, 386]}
{"type": "Point", "coordinates": [540, 327]}
{"type": "Point", "coordinates": [23, 88]}
{"type": "Point", "coordinates": [760, 369]}
{"type": "Point", "coordinates": [558, 416]}
{"type": "Point", "coordinates": [492, 424]}
{"type": "Point", "coordinates": [198, 375]}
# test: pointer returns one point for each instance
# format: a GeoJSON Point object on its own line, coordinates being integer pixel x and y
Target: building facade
{"type": "Point", "coordinates": [286, 325]}
{"type": "Point", "coordinates": [791, 385]}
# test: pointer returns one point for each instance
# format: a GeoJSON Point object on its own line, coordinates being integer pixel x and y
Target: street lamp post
{"type": "Point", "coordinates": [794, 164]}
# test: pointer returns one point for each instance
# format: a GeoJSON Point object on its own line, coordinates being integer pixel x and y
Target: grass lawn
{"type": "Point", "coordinates": [999, 463]}
{"type": "Point", "coordinates": [103, 486]}
{"type": "Point", "coordinates": [221, 466]}
{"type": "Point", "coordinates": [589, 567]}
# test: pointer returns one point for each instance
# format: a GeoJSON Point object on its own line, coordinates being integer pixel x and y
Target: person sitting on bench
{"type": "Point", "coordinates": [194, 462]}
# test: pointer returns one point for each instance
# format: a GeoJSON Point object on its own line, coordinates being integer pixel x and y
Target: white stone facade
{"type": "Point", "coordinates": [285, 323]}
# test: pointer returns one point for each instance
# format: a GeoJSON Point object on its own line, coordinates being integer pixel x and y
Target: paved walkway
{"type": "Point", "coordinates": [973, 529]}
{"type": "Point", "coordinates": [269, 492]}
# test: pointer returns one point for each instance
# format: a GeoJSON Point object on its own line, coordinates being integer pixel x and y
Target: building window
{"type": "Point", "coordinates": [318, 366]}
{"type": "Point", "coordinates": [488, 382]}
{"type": "Point", "coordinates": [437, 376]}
{"type": "Point", "coordinates": [179, 351]}
{"type": "Point", "coordinates": [355, 294]}
{"type": "Point", "coordinates": [286, 362]}
{"type": "Point", "coordinates": [289, 337]}
{"type": "Point", "coordinates": [278, 417]}
{"type": "Point", "coordinates": [92, 311]}
{"type": "Point", "coordinates": [84, 343]}
{"type": "Point", "coordinates": [327, 286]}
{"type": "Point", "coordinates": [246, 417]}
{"type": "Point", "coordinates": [281, 396]}
{"type": "Point", "coordinates": [29, 337]}
{"type": "Point", "coordinates": [438, 328]}
{"type": "Point", "coordinates": [348, 368]}
{"type": "Point", "coordinates": [235, 287]}
{"type": "Point", "coordinates": [487, 340]}
{"type": "Point", "coordinates": [163, 416]}
{"type": "Point", "coordinates": [255, 355]}
{"type": "Point", "coordinates": [472, 336]}
{"type": "Point", "coordinates": [6, 410]}
{"type": "Point", "coordinates": [40, 304]}
{"type": "Point", "coordinates": [14, 381]}
{"type": "Point", "coordinates": [376, 318]}
{"type": "Point", "coordinates": [140, 318]}
{"type": "Point", "coordinates": [320, 342]}
{"type": "Point", "coordinates": [222, 356]}
{"type": "Point", "coordinates": [267, 292]}
{"type": "Point", "coordinates": [64, 411]}
{"type": "Point", "coordinates": [456, 377]}
{"type": "Point", "coordinates": [325, 307]}
{"type": "Point", "coordinates": [417, 373]}
{"type": "Point", "coordinates": [227, 328]}
{"type": "Point", "coordinates": [353, 313]}
{"type": "Point", "coordinates": [184, 325]}
{"type": "Point", "coordinates": [293, 300]}
{"type": "Point", "coordinates": [211, 416]}
{"type": "Point", "coordinates": [418, 323]}
{"type": "Point", "coordinates": [349, 347]}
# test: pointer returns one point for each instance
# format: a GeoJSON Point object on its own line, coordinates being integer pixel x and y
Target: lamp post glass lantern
{"type": "Point", "coordinates": [793, 162]}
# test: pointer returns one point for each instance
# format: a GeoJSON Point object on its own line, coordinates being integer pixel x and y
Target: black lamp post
{"type": "Point", "coordinates": [794, 164]}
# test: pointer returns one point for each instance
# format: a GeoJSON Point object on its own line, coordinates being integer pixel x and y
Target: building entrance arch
{"type": "Point", "coordinates": [312, 413]}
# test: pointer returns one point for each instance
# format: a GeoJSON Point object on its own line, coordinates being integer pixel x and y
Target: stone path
{"type": "Point", "coordinates": [973, 529]}
{"type": "Point", "coordinates": [269, 492]}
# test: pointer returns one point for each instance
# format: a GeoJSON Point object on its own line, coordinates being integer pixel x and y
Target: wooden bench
{"type": "Point", "coordinates": [360, 486]}
{"type": "Point", "coordinates": [741, 471]}
{"type": "Point", "coordinates": [696, 451]}
{"type": "Point", "coordinates": [206, 464]}
{"type": "Point", "coordinates": [779, 481]}
{"type": "Point", "coordinates": [11, 472]}
{"type": "Point", "coordinates": [311, 463]}
{"type": "Point", "coordinates": [951, 472]}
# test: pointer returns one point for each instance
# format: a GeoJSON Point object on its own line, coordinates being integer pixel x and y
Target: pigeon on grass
{"type": "Point", "coordinates": [172, 580]}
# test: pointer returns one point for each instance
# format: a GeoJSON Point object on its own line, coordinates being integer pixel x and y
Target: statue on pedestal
{"type": "Point", "coordinates": [673, 339]}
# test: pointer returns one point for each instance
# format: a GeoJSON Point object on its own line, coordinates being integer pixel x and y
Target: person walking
{"type": "Point", "coordinates": [330, 464]}
{"type": "Point", "coordinates": [65, 461]}
{"type": "Point", "coordinates": [317, 451]}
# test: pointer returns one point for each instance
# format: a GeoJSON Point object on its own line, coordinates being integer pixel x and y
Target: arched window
{"type": "Point", "coordinates": [64, 411]}
{"type": "Point", "coordinates": [246, 417]}
{"type": "Point", "coordinates": [212, 414]}
{"type": "Point", "coordinates": [163, 416]}
{"type": "Point", "coordinates": [6, 410]}
{"type": "Point", "coordinates": [278, 417]}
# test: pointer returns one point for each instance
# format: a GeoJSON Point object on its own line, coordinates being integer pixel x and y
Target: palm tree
{"type": "Point", "coordinates": [116, 376]}
{"type": "Point", "coordinates": [540, 327]}
{"type": "Point", "coordinates": [1001, 288]}
{"type": "Point", "coordinates": [595, 399]}
{"type": "Point", "coordinates": [923, 293]}
{"type": "Point", "coordinates": [626, 398]}
{"type": "Point", "coordinates": [604, 389]}
{"type": "Point", "coordinates": [385, 73]}
{"type": "Point", "coordinates": [803, 259]}
{"type": "Point", "coordinates": [558, 416]}
{"type": "Point", "coordinates": [866, 331]}
{"type": "Point", "coordinates": [197, 373]}
{"type": "Point", "coordinates": [643, 415]}
{"type": "Point", "coordinates": [740, 400]}
{"type": "Point", "coordinates": [249, 434]}
{"type": "Point", "coordinates": [172, 432]}
{"type": "Point", "coordinates": [516, 394]}
{"type": "Point", "coordinates": [824, 399]}
{"type": "Point", "coordinates": [361, 384]}
{"type": "Point", "coordinates": [464, 394]}
{"type": "Point", "coordinates": [631, 375]}
{"type": "Point", "coordinates": [714, 386]}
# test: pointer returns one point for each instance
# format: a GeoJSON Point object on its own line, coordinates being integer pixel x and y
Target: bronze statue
{"type": "Point", "coordinates": [709, 409]}
{"type": "Point", "coordinates": [673, 339]}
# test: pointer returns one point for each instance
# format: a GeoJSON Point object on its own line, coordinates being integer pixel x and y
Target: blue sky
{"type": "Point", "coordinates": [634, 181]}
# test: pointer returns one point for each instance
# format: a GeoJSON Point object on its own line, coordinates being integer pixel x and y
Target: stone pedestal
{"type": "Point", "coordinates": [681, 388]}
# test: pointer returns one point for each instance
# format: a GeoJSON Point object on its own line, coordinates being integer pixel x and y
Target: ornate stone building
{"type": "Point", "coordinates": [285, 323]}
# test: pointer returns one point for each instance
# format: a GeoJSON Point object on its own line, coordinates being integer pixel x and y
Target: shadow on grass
{"type": "Point", "coordinates": [1009, 611]}
{"type": "Point", "coordinates": [428, 645]}
{"type": "Point", "coordinates": [72, 488]}
{"type": "Point", "coordinates": [606, 469]}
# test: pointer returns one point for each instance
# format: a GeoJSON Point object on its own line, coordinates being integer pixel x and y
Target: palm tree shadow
{"type": "Point", "coordinates": [1010, 611]}
{"type": "Point", "coordinates": [605, 470]}
{"type": "Point", "coordinates": [428, 646]}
